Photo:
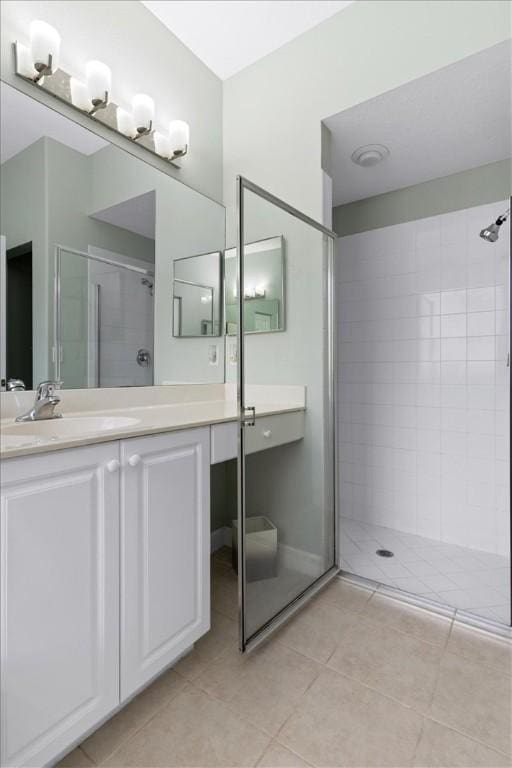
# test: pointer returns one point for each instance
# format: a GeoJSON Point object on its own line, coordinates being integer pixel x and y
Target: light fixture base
{"type": "Point", "coordinates": [57, 84]}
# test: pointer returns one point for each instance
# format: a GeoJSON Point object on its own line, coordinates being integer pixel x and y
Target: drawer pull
{"type": "Point", "coordinates": [134, 460]}
{"type": "Point", "coordinates": [113, 465]}
{"type": "Point", "coordinates": [267, 433]}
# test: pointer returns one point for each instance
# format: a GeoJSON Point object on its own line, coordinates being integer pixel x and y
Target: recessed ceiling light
{"type": "Point", "coordinates": [369, 155]}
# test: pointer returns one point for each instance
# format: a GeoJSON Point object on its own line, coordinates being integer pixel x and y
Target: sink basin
{"type": "Point", "coordinates": [73, 426]}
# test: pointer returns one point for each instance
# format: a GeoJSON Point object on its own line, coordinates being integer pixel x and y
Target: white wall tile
{"type": "Point", "coordinates": [423, 336]}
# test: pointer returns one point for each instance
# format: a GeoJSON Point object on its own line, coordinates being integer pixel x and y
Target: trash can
{"type": "Point", "coordinates": [260, 548]}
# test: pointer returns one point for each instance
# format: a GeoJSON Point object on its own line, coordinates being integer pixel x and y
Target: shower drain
{"type": "Point", "coordinates": [385, 553]}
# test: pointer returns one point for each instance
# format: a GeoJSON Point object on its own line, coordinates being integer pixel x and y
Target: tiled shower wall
{"type": "Point", "coordinates": [423, 379]}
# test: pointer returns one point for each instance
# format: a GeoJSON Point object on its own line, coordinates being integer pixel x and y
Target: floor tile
{"type": "Point", "coordinates": [391, 662]}
{"type": "Point", "coordinates": [119, 728]}
{"type": "Point", "coordinates": [344, 595]}
{"type": "Point", "coordinates": [441, 747]}
{"type": "Point", "coordinates": [481, 648]}
{"type": "Point", "coordinates": [419, 623]}
{"type": "Point", "coordinates": [75, 759]}
{"type": "Point", "coordinates": [475, 700]}
{"type": "Point", "coordinates": [225, 594]}
{"type": "Point", "coordinates": [222, 636]}
{"type": "Point", "coordinates": [263, 687]}
{"type": "Point", "coordinates": [277, 756]}
{"type": "Point", "coordinates": [467, 579]}
{"type": "Point", "coordinates": [193, 730]}
{"type": "Point", "coordinates": [340, 722]}
{"type": "Point", "coordinates": [316, 630]}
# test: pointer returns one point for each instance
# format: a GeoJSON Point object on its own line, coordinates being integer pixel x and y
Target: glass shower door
{"type": "Point", "coordinates": [286, 516]}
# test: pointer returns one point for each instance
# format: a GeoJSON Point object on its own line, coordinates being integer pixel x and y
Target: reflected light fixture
{"type": "Point", "coordinates": [80, 95]}
{"type": "Point", "coordinates": [125, 123]}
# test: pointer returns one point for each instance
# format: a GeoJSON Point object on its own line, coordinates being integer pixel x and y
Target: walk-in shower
{"type": "Point", "coordinates": [424, 339]}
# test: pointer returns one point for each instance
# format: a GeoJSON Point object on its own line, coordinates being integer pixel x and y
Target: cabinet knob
{"type": "Point", "coordinates": [113, 465]}
{"type": "Point", "coordinates": [134, 460]}
{"type": "Point", "coordinates": [267, 433]}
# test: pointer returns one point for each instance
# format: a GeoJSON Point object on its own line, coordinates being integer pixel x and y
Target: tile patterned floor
{"type": "Point", "coordinates": [467, 579]}
{"type": "Point", "coordinates": [354, 679]}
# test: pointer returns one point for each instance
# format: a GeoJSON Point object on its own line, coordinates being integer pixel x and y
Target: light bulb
{"type": "Point", "coordinates": [179, 136]}
{"type": "Point", "coordinates": [79, 95]}
{"type": "Point", "coordinates": [24, 64]}
{"type": "Point", "coordinates": [44, 47]}
{"type": "Point", "coordinates": [143, 108]}
{"type": "Point", "coordinates": [162, 144]}
{"type": "Point", "coordinates": [126, 123]}
{"type": "Point", "coordinates": [99, 82]}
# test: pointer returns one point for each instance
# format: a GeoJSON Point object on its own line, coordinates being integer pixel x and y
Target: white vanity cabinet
{"type": "Point", "coordinates": [165, 549]}
{"type": "Point", "coordinates": [104, 583]}
{"type": "Point", "coordinates": [59, 599]}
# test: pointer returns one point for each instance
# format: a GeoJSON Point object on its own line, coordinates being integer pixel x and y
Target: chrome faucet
{"type": "Point", "coordinates": [46, 402]}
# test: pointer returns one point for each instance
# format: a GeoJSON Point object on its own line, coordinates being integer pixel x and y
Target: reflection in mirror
{"type": "Point", "coordinates": [264, 305]}
{"type": "Point", "coordinates": [104, 319]}
{"type": "Point", "coordinates": [91, 234]}
{"type": "Point", "coordinates": [196, 297]}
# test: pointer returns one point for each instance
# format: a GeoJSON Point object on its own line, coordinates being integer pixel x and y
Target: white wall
{"type": "Point", "coordinates": [273, 109]}
{"type": "Point", "coordinates": [423, 384]}
{"type": "Point", "coordinates": [144, 57]}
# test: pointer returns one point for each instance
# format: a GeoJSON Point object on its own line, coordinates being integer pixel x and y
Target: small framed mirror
{"type": "Point", "coordinates": [196, 296]}
{"type": "Point", "coordinates": [264, 292]}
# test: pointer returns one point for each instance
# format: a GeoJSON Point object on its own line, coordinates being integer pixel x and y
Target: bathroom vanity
{"type": "Point", "coordinates": [123, 515]}
{"type": "Point", "coordinates": [106, 512]}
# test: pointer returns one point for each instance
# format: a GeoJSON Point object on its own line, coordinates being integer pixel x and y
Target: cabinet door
{"type": "Point", "coordinates": [165, 551]}
{"type": "Point", "coordinates": [59, 599]}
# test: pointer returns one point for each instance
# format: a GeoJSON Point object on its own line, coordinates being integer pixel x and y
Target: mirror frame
{"type": "Point", "coordinates": [175, 279]}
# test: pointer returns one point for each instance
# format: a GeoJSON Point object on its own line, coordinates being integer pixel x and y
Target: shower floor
{"type": "Point", "coordinates": [467, 579]}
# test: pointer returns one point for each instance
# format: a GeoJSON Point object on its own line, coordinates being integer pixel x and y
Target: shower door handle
{"type": "Point", "coordinates": [249, 420]}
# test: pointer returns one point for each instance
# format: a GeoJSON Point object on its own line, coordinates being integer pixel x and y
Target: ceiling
{"type": "Point", "coordinates": [25, 120]}
{"type": "Point", "coordinates": [449, 121]}
{"type": "Point", "coordinates": [228, 36]}
{"type": "Point", "coordinates": [137, 214]}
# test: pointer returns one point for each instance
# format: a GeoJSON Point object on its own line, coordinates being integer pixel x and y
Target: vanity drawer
{"type": "Point", "coordinates": [268, 432]}
{"type": "Point", "coordinates": [271, 431]}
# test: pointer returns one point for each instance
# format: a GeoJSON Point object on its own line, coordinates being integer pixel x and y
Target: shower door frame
{"type": "Point", "coordinates": [57, 330]}
{"type": "Point", "coordinates": [247, 644]}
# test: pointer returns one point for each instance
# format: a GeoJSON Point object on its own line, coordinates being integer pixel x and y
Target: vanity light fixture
{"type": "Point", "coordinates": [126, 123]}
{"type": "Point", "coordinates": [39, 62]}
{"type": "Point", "coordinates": [162, 144]}
{"type": "Point", "coordinates": [143, 111]}
{"type": "Point", "coordinates": [98, 78]}
{"type": "Point", "coordinates": [179, 137]}
{"type": "Point", "coordinates": [44, 49]}
{"type": "Point", "coordinates": [80, 95]}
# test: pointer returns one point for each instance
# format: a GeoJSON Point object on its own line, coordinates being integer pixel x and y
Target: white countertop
{"type": "Point", "coordinates": [32, 437]}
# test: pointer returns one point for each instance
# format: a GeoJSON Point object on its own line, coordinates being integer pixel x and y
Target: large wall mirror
{"type": "Point", "coordinates": [197, 295]}
{"type": "Point", "coordinates": [264, 292]}
{"type": "Point", "coordinates": [93, 239]}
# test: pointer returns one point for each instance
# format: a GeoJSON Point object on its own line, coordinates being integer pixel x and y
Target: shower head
{"type": "Point", "coordinates": [148, 284]}
{"type": "Point", "coordinates": [492, 232]}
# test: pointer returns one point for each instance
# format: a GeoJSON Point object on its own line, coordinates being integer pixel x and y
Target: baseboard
{"type": "Point", "coordinates": [221, 537]}
{"type": "Point", "coordinates": [290, 557]}
{"type": "Point", "coordinates": [299, 560]}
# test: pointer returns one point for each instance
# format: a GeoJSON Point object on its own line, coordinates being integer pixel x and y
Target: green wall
{"type": "Point", "coordinates": [477, 186]}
